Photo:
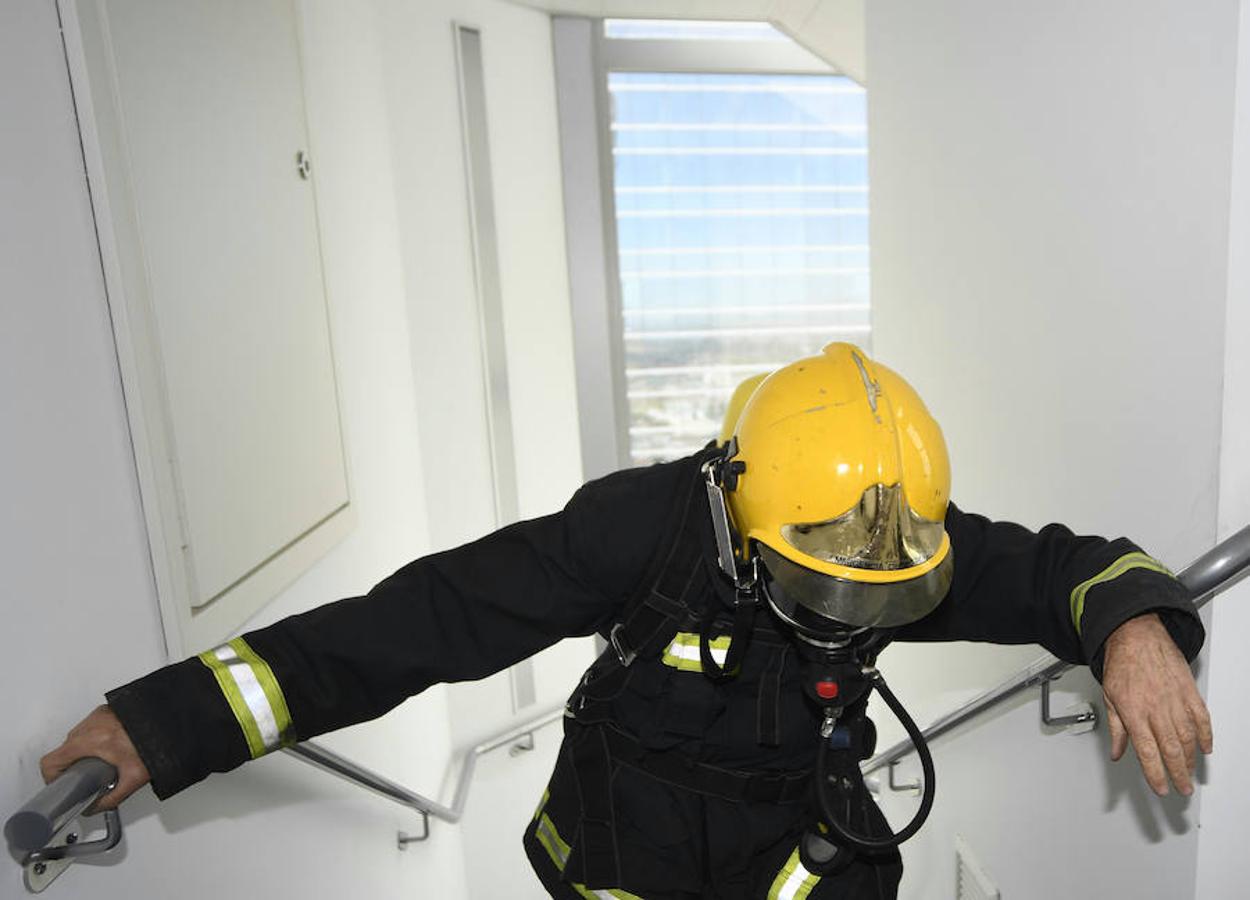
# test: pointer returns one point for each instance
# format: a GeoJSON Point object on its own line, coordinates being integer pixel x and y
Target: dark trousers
{"type": "Point", "coordinates": [669, 843]}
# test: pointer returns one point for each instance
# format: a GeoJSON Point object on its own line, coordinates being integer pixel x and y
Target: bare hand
{"type": "Point", "coordinates": [101, 735]}
{"type": "Point", "coordinates": [1151, 698]}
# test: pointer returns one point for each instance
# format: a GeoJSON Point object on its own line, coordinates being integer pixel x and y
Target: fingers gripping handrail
{"type": "Point", "coordinates": [1214, 571]}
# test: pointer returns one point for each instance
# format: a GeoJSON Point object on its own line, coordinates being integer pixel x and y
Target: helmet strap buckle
{"type": "Point", "coordinates": [713, 472]}
{"type": "Point", "coordinates": [747, 586]}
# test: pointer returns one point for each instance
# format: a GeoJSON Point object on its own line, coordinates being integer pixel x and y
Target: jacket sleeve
{"type": "Point", "coordinates": [1052, 587]}
{"type": "Point", "coordinates": [452, 616]}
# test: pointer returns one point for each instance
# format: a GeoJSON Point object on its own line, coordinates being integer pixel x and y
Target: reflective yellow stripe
{"type": "Point", "coordinates": [683, 652]}
{"type": "Point", "coordinates": [1125, 563]}
{"type": "Point", "coordinates": [254, 695]}
{"type": "Point", "coordinates": [272, 690]}
{"type": "Point", "coordinates": [558, 850]}
{"type": "Point", "coordinates": [225, 681]}
{"type": "Point", "coordinates": [555, 846]}
{"type": "Point", "coordinates": [793, 882]}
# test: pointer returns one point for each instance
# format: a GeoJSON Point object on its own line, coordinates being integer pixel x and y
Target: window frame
{"type": "Point", "coordinates": [585, 57]}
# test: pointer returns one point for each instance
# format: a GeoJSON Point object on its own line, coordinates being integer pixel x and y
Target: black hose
{"type": "Point", "coordinates": [843, 833]}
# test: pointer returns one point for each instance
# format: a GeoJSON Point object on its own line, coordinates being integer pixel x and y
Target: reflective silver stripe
{"type": "Point", "coordinates": [253, 695]}
{"type": "Point", "coordinates": [691, 652]}
{"type": "Point", "coordinates": [553, 842]}
{"type": "Point", "coordinates": [683, 652]}
{"type": "Point", "coordinates": [558, 850]}
{"type": "Point", "coordinates": [793, 882]}
{"type": "Point", "coordinates": [797, 880]}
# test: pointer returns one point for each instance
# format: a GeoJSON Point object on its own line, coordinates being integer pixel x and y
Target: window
{"type": "Point", "coordinates": [696, 30]}
{"type": "Point", "coordinates": [741, 211]}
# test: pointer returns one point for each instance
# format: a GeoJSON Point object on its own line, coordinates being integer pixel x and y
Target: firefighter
{"type": "Point", "coordinates": [745, 592]}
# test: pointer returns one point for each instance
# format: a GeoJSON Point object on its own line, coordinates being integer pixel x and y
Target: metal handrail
{"type": "Point", "coordinates": [72, 792]}
{"type": "Point", "coordinates": [46, 833]}
{"type": "Point", "coordinates": [42, 828]}
{"type": "Point", "coordinates": [328, 761]}
{"type": "Point", "coordinates": [46, 830]}
{"type": "Point", "coordinates": [1214, 571]}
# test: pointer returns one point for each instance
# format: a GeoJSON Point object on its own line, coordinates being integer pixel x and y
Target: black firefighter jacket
{"type": "Point", "coordinates": [466, 613]}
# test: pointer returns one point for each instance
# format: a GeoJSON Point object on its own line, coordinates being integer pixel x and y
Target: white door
{"type": "Point", "coordinates": [207, 172]}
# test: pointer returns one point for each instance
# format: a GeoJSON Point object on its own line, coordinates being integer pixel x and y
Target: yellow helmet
{"type": "Point", "coordinates": [841, 486]}
{"type": "Point", "coordinates": [742, 393]}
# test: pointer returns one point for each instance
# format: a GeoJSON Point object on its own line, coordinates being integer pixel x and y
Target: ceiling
{"type": "Point", "coordinates": [832, 29]}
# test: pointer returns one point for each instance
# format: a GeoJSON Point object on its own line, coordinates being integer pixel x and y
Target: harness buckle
{"type": "Point", "coordinates": [623, 652]}
{"type": "Point", "coordinates": [746, 587]}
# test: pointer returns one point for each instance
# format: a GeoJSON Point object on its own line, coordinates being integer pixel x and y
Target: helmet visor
{"type": "Point", "coordinates": [816, 603]}
{"type": "Point", "coordinates": [879, 532]}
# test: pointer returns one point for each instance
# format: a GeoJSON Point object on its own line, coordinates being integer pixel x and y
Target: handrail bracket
{"type": "Point", "coordinates": [912, 787]}
{"type": "Point", "coordinates": [1086, 718]}
{"type": "Point", "coordinates": [42, 867]}
{"type": "Point", "coordinates": [403, 839]}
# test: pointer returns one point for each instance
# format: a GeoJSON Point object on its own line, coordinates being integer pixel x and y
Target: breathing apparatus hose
{"type": "Point", "coordinates": [842, 832]}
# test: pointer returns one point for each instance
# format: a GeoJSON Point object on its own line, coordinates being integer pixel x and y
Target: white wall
{"type": "Point", "coordinates": [832, 29]}
{"type": "Point", "coordinates": [446, 371]}
{"type": "Point", "coordinates": [384, 128]}
{"type": "Point", "coordinates": [1223, 869]}
{"type": "Point", "coordinates": [78, 575]}
{"type": "Point", "coordinates": [1049, 231]}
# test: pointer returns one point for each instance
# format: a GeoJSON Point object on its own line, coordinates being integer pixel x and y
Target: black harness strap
{"type": "Point", "coordinates": [648, 628]}
{"type": "Point", "coordinates": [739, 640]}
{"type": "Point", "coordinates": [651, 621]}
{"type": "Point", "coordinates": [671, 602]}
{"type": "Point", "coordinates": [676, 768]}
{"type": "Point", "coordinates": [592, 764]}
{"type": "Point", "coordinates": [652, 618]}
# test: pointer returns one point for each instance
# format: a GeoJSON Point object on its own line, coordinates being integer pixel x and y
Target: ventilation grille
{"type": "Point", "coordinates": [972, 882]}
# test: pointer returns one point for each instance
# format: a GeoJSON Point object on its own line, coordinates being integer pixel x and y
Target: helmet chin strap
{"type": "Point", "coordinates": [746, 601]}
{"type": "Point", "coordinates": [719, 472]}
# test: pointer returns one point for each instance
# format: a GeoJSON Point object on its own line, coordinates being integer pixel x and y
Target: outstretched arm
{"type": "Point", "coordinates": [453, 616]}
{"type": "Point", "coordinates": [1089, 601]}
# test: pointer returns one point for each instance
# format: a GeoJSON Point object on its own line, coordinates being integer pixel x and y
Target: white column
{"type": "Point", "coordinates": [1223, 867]}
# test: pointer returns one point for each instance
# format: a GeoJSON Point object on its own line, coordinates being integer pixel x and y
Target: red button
{"type": "Point", "coordinates": [826, 690]}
